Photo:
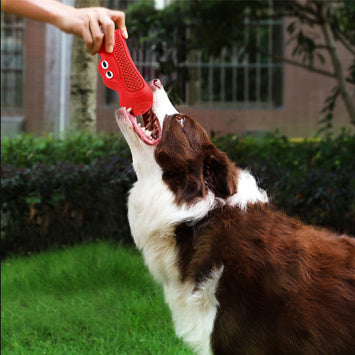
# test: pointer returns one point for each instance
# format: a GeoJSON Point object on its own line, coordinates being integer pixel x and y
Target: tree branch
{"type": "Point", "coordinates": [294, 62]}
{"type": "Point", "coordinates": [330, 40]}
{"type": "Point", "coordinates": [347, 44]}
{"type": "Point", "coordinates": [298, 64]}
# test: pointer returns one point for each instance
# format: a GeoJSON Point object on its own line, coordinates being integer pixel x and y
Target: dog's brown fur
{"type": "Point", "coordinates": [286, 288]}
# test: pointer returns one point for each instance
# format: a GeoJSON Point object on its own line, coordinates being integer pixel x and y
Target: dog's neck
{"type": "Point", "coordinates": [144, 163]}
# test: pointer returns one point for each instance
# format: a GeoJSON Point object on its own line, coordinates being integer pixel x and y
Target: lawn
{"type": "Point", "coordinates": [91, 299]}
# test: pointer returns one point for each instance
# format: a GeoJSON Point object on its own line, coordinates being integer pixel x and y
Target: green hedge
{"type": "Point", "coordinates": [62, 191]}
{"type": "Point", "coordinates": [78, 148]}
{"type": "Point", "coordinates": [312, 179]}
{"type": "Point", "coordinates": [58, 192]}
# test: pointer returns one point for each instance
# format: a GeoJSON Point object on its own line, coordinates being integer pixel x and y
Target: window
{"type": "Point", "coordinates": [12, 74]}
{"type": "Point", "coordinates": [237, 79]}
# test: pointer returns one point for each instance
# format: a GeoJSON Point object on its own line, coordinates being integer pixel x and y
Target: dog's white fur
{"type": "Point", "coordinates": [153, 214]}
{"type": "Point", "coordinates": [248, 192]}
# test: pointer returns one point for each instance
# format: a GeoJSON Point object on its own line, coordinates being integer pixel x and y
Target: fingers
{"type": "Point", "coordinates": [119, 18]}
{"type": "Point", "coordinates": [109, 28]}
{"type": "Point", "coordinates": [108, 23]}
{"type": "Point", "coordinates": [91, 23]}
{"type": "Point", "coordinates": [106, 19]}
{"type": "Point", "coordinates": [97, 37]}
{"type": "Point", "coordinates": [87, 37]}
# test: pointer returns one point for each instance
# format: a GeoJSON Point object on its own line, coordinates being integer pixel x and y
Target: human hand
{"type": "Point", "coordinates": [85, 22]}
{"type": "Point", "coordinates": [89, 22]}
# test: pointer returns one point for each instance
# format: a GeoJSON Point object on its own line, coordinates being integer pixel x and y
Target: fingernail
{"type": "Point", "coordinates": [110, 48]}
{"type": "Point", "coordinates": [125, 34]}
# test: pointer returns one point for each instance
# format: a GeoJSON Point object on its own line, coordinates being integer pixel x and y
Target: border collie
{"type": "Point", "coordinates": [238, 276]}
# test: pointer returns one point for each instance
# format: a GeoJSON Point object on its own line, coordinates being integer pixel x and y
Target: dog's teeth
{"type": "Point", "coordinates": [129, 110]}
{"type": "Point", "coordinates": [148, 133]}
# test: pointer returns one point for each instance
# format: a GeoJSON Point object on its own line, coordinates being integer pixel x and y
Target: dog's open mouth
{"type": "Point", "coordinates": [146, 126]}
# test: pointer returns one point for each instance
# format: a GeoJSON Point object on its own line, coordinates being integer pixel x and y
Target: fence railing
{"type": "Point", "coordinates": [237, 78]}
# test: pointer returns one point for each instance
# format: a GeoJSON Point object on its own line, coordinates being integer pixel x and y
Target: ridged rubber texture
{"type": "Point", "coordinates": [131, 78]}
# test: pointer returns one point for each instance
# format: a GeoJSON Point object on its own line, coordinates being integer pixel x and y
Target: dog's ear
{"type": "Point", "coordinates": [184, 177]}
{"type": "Point", "coordinates": [220, 174]}
{"type": "Point", "coordinates": [192, 186]}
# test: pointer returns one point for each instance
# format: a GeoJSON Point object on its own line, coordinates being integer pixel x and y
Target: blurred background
{"type": "Point", "coordinates": [237, 66]}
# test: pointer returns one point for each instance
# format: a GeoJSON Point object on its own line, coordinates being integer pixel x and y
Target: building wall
{"type": "Point", "coordinates": [35, 53]}
{"type": "Point", "coordinates": [46, 72]}
{"type": "Point", "coordinates": [304, 95]}
{"type": "Point", "coordinates": [47, 58]}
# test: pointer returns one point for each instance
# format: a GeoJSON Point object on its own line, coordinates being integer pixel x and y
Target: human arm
{"type": "Point", "coordinates": [84, 22]}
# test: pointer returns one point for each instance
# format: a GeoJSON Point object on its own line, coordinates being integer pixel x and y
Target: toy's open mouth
{"type": "Point", "coordinates": [146, 126]}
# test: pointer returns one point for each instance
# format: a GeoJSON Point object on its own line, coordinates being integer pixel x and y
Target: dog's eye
{"type": "Point", "coordinates": [181, 121]}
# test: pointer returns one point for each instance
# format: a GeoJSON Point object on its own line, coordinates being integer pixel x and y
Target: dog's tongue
{"type": "Point", "coordinates": [120, 74]}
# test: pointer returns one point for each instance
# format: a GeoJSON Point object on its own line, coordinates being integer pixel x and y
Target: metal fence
{"type": "Point", "coordinates": [239, 79]}
{"type": "Point", "coordinates": [236, 79]}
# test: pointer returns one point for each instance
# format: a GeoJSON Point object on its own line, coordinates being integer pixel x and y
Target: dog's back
{"type": "Point", "coordinates": [286, 288]}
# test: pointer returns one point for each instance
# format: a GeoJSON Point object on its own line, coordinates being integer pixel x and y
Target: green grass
{"type": "Point", "coordinates": [90, 299]}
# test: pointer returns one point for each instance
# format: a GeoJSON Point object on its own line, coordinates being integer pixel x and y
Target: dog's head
{"type": "Point", "coordinates": [176, 148]}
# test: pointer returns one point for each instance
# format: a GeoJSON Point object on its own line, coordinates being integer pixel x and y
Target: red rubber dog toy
{"type": "Point", "coordinates": [120, 74]}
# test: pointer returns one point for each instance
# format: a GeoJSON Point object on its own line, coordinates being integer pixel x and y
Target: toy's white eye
{"type": "Point", "coordinates": [109, 75]}
{"type": "Point", "coordinates": [104, 64]}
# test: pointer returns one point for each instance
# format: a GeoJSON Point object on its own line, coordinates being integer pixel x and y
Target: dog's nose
{"type": "Point", "coordinates": [156, 83]}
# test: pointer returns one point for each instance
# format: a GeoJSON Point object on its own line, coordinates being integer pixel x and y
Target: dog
{"type": "Point", "coordinates": [239, 276]}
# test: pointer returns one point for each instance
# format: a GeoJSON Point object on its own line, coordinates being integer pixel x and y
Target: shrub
{"type": "Point", "coordinates": [57, 192]}
{"type": "Point", "coordinates": [50, 204]}
{"type": "Point", "coordinates": [77, 148]}
{"type": "Point", "coordinates": [312, 179]}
